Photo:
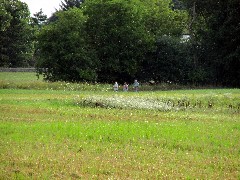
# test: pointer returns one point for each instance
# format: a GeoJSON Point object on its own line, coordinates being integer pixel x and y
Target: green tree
{"type": "Point", "coordinates": [64, 51]}
{"type": "Point", "coordinates": [120, 36]}
{"type": "Point", "coordinates": [166, 25]}
{"type": "Point", "coordinates": [222, 41]}
{"type": "Point", "coordinates": [64, 6]}
{"type": "Point", "coordinates": [116, 30]}
{"type": "Point", "coordinates": [5, 17]}
{"type": "Point", "coordinates": [170, 62]}
{"type": "Point", "coordinates": [215, 28]}
{"type": "Point", "coordinates": [15, 34]}
{"type": "Point", "coordinates": [67, 4]}
{"type": "Point", "coordinates": [161, 19]}
{"type": "Point", "coordinates": [39, 19]}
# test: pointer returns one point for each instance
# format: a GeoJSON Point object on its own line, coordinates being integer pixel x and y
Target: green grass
{"type": "Point", "coordinates": [52, 134]}
{"type": "Point", "coordinates": [29, 80]}
{"type": "Point", "coordinates": [19, 77]}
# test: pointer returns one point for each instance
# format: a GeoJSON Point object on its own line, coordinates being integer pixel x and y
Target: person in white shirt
{"type": "Point", "coordinates": [115, 87]}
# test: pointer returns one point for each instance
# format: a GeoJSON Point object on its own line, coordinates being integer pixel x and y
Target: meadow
{"type": "Point", "coordinates": [87, 131]}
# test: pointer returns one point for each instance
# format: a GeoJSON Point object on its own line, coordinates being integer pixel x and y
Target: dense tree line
{"type": "Point", "coordinates": [117, 38]}
{"type": "Point", "coordinates": [105, 41]}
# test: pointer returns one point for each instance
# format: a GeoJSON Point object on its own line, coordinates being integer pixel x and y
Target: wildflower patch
{"type": "Point", "coordinates": [123, 102]}
{"type": "Point", "coordinates": [160, 103]}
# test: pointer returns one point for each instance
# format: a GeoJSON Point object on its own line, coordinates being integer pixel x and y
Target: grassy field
{"type": "Point", "coordinates": [90, 133]}
{"type": "Point", "coordinates": [29, 80]}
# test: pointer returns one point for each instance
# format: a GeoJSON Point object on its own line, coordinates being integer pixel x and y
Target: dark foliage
{"type": "Point", "coordinates": [215, 29]}
{"type": "Point", "coordinates": [67, 4]}
{"type": "Point", "coordinates": [169, 63]}
{"type": "Point", "coordinates": [15, 34]}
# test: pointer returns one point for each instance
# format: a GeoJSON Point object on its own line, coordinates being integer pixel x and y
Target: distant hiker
{"type": "Point", "coordinates": [115, 87]}
{"type": "Point", "coordinates": [136, 85]}
{"type": "Point", "coordinates": [125, 87]}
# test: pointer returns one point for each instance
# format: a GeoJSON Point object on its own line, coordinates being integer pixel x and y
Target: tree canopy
{"type": "Point", "coordinates": [122, 34]}
{"type": "Point", "coordinates": [215, 28]}
{"type": "Point", "coordinates": [15, 34]}
{"type": "Point", "coordinates": [119, 40]}
{"type": "Point", "coordinates": [67, 4]}
{"type": "Point", "coordinates": [64, 51]}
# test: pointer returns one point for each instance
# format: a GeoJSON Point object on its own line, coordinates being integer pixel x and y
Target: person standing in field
{"type": "Point", "coordinates": [115, 87]}
{"type": "Point", "coordinates": [136, 85]}
{"type": "Point", "coordinates": [125, 87]}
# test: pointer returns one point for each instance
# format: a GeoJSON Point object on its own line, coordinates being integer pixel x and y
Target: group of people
{"type": "Point", "coordinates": [125, 86]}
